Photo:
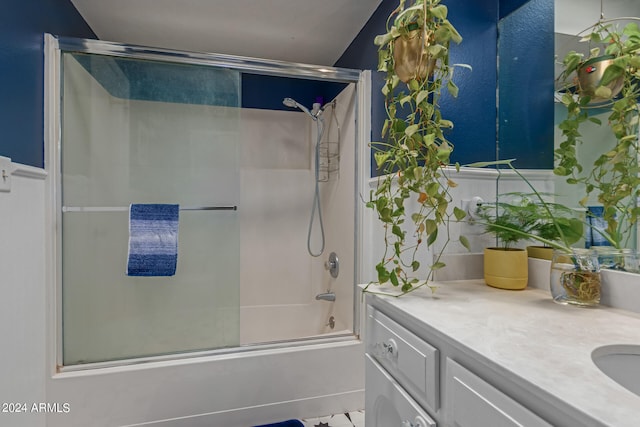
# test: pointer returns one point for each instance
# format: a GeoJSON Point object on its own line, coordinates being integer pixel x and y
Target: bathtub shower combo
{"type": "Point", "coordinates": [222, 138]}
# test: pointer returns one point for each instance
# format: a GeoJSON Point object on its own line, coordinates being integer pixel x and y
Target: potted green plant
{"type": "Point", "coordinates": [575, 272]}
{"type": "Point", "coordinates": [505, 266]}
{"type": "Point", "coordinates": [414, 55]}
{"type": "Point", "coordinates": [613, 178]}
{"type": "Point", "coordinates": [556, 223]}
{"type": "Point", "coordinates": [523, 216]}
{"type": "Point", "coordinates": [549, 223]}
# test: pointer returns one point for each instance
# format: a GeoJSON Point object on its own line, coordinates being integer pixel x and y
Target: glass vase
{"type": "Point", "coordinates": [575, 277]}
{"type": "Point", "coordinates": [618, 259]}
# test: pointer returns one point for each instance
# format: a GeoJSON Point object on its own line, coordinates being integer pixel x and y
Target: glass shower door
{"type": "Point", "coordinates": [137, 131]}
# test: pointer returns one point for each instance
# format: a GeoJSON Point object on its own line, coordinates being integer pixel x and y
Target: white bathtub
{"type": "Point", "coordinates": [239, 389]}
{"type": "Point", "coordinates": [271, 323]}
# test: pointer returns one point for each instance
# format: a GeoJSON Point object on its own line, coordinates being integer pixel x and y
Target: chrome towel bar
{"type": "Point", "coordinates": [126, 208]}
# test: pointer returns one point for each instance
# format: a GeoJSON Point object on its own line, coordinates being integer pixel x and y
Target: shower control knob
{"type": "Point", "coordinates": [333, 265]}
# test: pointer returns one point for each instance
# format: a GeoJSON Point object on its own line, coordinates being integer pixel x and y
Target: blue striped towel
{"type": "Point", "coordinates": [153, 240]}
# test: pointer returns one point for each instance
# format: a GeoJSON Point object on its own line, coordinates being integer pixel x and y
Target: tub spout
{"type": "Point", "coordinates": [327, 296]}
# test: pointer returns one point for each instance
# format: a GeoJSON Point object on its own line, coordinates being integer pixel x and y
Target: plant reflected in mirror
{"type": "Point", "coordinates": [612, 180]}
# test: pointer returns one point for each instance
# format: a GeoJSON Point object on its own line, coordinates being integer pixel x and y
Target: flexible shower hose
{"type": "Point", "coordinates": [316, 197]}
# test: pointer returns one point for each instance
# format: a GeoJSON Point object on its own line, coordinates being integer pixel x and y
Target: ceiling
{"type": "Point", "coordinates": [574, 16]}
{"type": "Point", "coordinates": [306, 31]}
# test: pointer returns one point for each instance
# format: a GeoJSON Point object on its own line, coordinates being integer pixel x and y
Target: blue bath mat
{"type": "Point", "coordinates": [289, 423]}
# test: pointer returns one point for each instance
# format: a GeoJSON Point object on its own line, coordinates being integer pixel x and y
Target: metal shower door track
{"type": "Point", "coordinates": [241, 63]}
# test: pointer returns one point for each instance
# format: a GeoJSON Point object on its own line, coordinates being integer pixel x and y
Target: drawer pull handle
{"type": "Point", "coordinates": [418, 422]}
{"type": "Point", "coordinates": [391, 348]}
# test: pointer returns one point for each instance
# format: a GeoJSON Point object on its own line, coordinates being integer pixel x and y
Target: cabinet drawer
{"type": "Point", "coordinates": [387, 404]}
{"type": "Point", "coordinates": [409, 359]}
{"type": "Point", "coordinates": [472, 402]}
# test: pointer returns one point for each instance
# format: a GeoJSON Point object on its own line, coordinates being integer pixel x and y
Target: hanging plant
{"type": "Point", "coordinates": [613, 177]}
{"type": "Point", "coordinates": [414, 54]}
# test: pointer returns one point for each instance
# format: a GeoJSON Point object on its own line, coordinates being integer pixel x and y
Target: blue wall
{"type": "Point", "coordinates": [22, 24]}
{"type": "Point", "coordinates": [267, 92]}
{"type": "Point", "coordinates": [507, 7]}
{"type": "Point", "coordinates": [526, 73]}
{"type": "Point", "coordinates": [362, 54]}
{"type": "Point", "coordinates": [474, 112]}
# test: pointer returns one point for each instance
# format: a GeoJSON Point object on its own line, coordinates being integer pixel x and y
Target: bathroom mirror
{"type": "Point", "coordinates": [570, 21]}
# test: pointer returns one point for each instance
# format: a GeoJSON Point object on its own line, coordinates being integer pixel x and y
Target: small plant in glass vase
{"type": "Point", "coordinates": [606, 79]}
{"type": "Point", "coordinates": [415, 153]}
{"type": "Point", "coordinates": [575, 274]}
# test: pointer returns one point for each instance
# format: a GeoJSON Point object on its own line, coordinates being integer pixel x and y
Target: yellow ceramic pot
{"type": "Point", "coordinates": [540, 252]}
{"type": "Point", "coordinates": [506, 268]}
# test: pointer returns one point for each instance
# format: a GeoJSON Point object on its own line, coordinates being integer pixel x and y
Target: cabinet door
{"type": "Point", "coordinates": [472, 402]}
{"type": "Point", "coordinates": [387, 404]}
{"type": "Point", "coordinates": [409, 359]}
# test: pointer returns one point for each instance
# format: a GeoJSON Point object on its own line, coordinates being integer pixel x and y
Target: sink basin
{"type": "Point", "coordinates": [621, 363]}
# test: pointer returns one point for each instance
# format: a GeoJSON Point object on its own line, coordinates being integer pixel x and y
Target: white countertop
{"type": "Point", "coordinates": [547, 344]}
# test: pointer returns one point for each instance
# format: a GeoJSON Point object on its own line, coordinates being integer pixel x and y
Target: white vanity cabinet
{"type": "Point", "coordinates": [475, 356]}
{"type": "Point", "coordinates": [404, 388]}
{"type": "Point", "coordinates": [472, 402]}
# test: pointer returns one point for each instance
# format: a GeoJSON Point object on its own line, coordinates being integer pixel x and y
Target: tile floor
{"type": "Point", "coordinates": [351, 419]}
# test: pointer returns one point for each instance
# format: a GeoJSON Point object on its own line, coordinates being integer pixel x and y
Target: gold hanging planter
{"type": "Point", "coordinates": [410, 56]}
{"type": "Point", "coordinates": [590, 75]}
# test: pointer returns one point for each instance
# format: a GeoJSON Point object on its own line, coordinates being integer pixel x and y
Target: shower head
{"type": "Point", "coordinates": [289, 102]}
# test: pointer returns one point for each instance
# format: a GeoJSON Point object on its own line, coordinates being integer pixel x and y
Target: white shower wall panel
{"type": "Point", "coordinates": [274, 215]}
{"type": "Point", "coordinates": [279, 278]}
{"type": "Point", "coordinates": [268, 323]}
{"type": "Point", "coordinates": [275, 140]}
{"type": "Point", "coordinates": [341, 205]}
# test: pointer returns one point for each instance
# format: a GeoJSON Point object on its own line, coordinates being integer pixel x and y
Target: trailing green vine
{"type": "Point", "coordinates": [415, 152]}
